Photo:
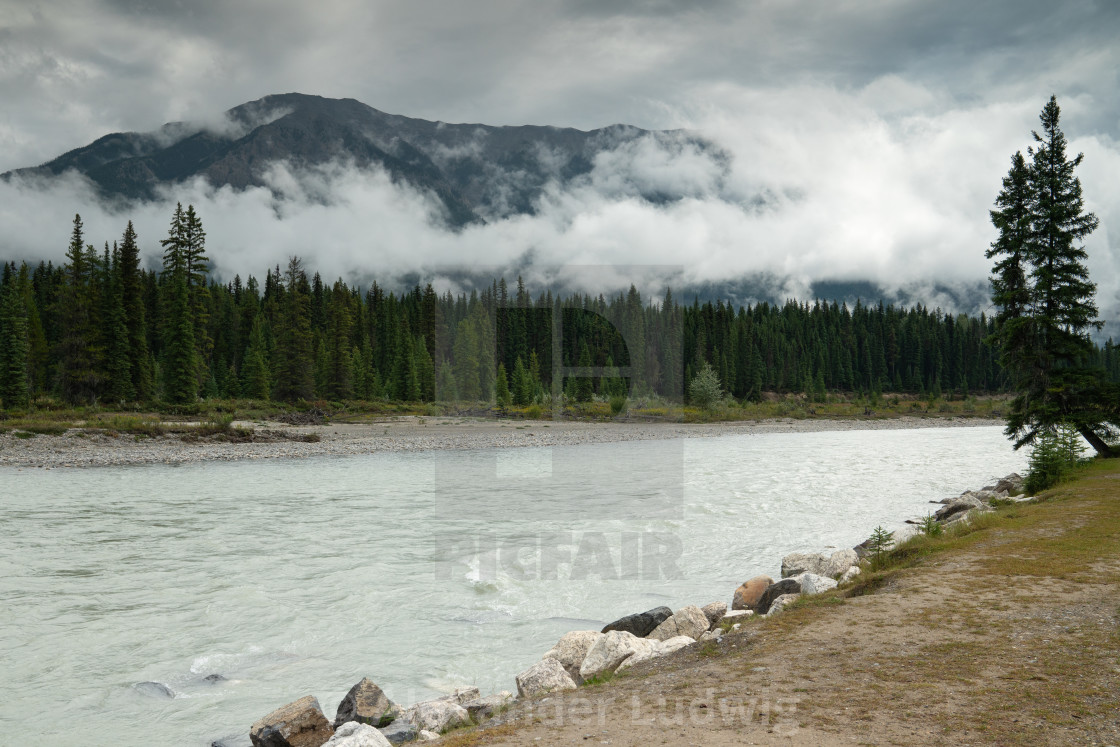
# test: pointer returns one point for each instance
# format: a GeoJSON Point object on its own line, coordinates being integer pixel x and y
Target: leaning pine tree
{"type": "Point", "coordinates": [1044, 297]}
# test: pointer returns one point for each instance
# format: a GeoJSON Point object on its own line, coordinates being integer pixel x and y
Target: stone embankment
{"type": "Point", "coordinates": [366, 717]}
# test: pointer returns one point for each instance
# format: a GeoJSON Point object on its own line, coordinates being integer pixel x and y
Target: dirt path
{"type": "Point", "coordinates": [1011, 635]}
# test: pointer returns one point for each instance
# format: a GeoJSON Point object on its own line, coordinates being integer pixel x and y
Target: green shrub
{"type": "Point", "coordinates": [618, 404]}
{"type": "Point", "coordinates": [1054, 455]}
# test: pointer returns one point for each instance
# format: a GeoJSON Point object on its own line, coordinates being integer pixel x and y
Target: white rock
{"type": "Point", "coordinates": [353, 734]}
{"type": "Point", "coordinates": [611, 650]}
{"type": "Point", "coordinates": [664, 631]}
{"type": "Point", "coordinates": [819, 563]}
{"type": "Point", "coordinates": [659, 649]}
{"type": "Point", "coordinates": [737, 614]}
{"type": "Point", "coordinates": [436, 715]}
{"type": "Point", "coordinates": [547, 675]}
{"type": "Point", "coordinates": [811, 583]}
{"type": "Point", "coordinates": [463, 695]}
{"type": "Point", "coordinates": [850, 574]}
{"type": "Point", "coordinates": [711, 635]}
{"type": "Point", "coordinates": [426, 736]}
{"type": "Point", "coordinates": [691, 621]}
{"type": "Point", "coordinates": [840, 561]}
{"type": "Point", "coordinates": [572, 649]}
{"type": "Point", "coordinates": [781, 603]}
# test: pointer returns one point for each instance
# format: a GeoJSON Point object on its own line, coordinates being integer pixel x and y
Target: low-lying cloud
{"type": "Point", "coordinates": [808, 184]}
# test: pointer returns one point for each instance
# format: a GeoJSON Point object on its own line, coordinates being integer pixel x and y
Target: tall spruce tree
{"type": "Point", "coordinates": [135, 316]}
{"type": "Point", "coordinates": [180, 357]}
{"type": "Point", "coordinates": [78, 374]}
{"type": "Point", "coordinates": [1045, 298]}
{"type": "Point", "coordinates": [295, 369]}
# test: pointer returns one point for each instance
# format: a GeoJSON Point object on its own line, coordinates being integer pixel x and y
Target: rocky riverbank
{"type": "Point", "coordinates": [366, 717]}
{"type": "Point", "coordinates": [85, 448]}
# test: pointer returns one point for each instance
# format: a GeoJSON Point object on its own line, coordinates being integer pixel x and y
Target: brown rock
{"type": "Point", "coordinates": [747, 595]}
{"type": "Point", "coordinates": [298, 724]}
{"type": "Point", "coordinates": [366, 704]}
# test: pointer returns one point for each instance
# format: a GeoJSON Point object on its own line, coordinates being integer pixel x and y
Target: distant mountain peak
{"type": "Point", "coordinates": [477, 172]}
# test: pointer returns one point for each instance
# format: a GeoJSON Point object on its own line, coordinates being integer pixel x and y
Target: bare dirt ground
{"type": "Point", "coordinates": [84, 449]}
{"type": "Point", "coordinates": [1009, 636]}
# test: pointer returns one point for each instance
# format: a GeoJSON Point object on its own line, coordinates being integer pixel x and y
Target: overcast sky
{"type": "Point", "coordinates": [886, 123]}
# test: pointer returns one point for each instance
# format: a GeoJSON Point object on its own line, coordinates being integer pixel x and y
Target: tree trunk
{"type": "Point", "coordinates": [1098, 443]}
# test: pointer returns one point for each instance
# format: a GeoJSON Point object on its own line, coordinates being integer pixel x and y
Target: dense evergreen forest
{"type": "Point", "coordinates": [99, 328]}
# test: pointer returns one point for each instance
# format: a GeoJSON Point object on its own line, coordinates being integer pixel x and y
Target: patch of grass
{"type": "Point", "coordinates": [47, 429]}
{"type": "Point", "coordinates": [708, 649]}
{"type": "Point", "coordinates": [600, 679]}
{"type": "Point", "coordinates": [24, 434]}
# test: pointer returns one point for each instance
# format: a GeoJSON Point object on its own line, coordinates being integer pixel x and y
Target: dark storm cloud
{"type": "Point", "coordinates": [880, 128]}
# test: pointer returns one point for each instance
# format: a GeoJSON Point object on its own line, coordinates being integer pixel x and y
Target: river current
{"type": "Point", "coordinates": [423, 571]}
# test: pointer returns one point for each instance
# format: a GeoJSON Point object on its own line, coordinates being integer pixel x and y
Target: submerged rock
{"type": "Point", "coordinates": [640, 624]}
{"type": "Point", "coordinates": [365, 704]}
{"type": "Point", "coordinates": [749, 592]}
{"type": "Point", "coordinates": [154, 689]}
{"type": "Point", "coordinates": [300, 723]}
{"type": "Point", "coordinates": [354, 734]}
{"type": "Point", "coordinates": [213, 678]}
{"type": "Point", "coordinates": [547, 675]}
{"type": "Point", "coordinates": [572, 649]}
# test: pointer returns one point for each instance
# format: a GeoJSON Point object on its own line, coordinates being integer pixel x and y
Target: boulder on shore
{"type": "Point", "coordinates": [1013, 484]}
{"type": "Point", "coordinates": [958, 506]}
{"type": "Point", "coordinates": [640, 624]}
{"type": "Point", "coordinates": [481, 709]}
{"type": "Point", "coordinates": [819, 563]}
{"type": "Point", "coordinates": [547, 675]}
{"type": "Point", "coordinates": [714, 612]}
{"type": "Point", "coordinates": [610, 651]}
{"type": "Point", "coordinates": [400, 731]}
{"type": "Point", "coordinates": [572, 649]}
{"type": "Point", "coordinates": [437, 715]}
{"type": "Point", "coordinates": [850, 574]}
{"type": "Point", "coordinates": [661, 648]}
{"type": "Point", "coordinates": [300, 723]}
{"type": "Point", "coordinates": [781, 603]}
{"type": "Point", "coordinates": [781, 588]}
{"type": "Point", "coordinates": [688, 621]}
{"type": "Point", "coordinates": [749, 592]}
{"type": "Point", "coordinates": [354, 734]}
{"type": "Point", "coordinates": [366, 704]}
{"type": "Point", "coordinates": [811, 583]}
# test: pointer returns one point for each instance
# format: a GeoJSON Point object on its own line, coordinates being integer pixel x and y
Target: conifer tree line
{"type": "Point", "coordinates": [100, 328]}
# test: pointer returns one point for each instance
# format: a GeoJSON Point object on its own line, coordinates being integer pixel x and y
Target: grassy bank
{"type": "Point", "coordinates": [1006, 631]}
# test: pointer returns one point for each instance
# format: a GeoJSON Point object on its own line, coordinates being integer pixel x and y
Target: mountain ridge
{"type": "Point", "coordinates": [477, 172]}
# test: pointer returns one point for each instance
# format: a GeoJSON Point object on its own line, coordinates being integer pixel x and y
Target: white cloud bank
{"type": "Point", "coordinates": [822, 185]}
